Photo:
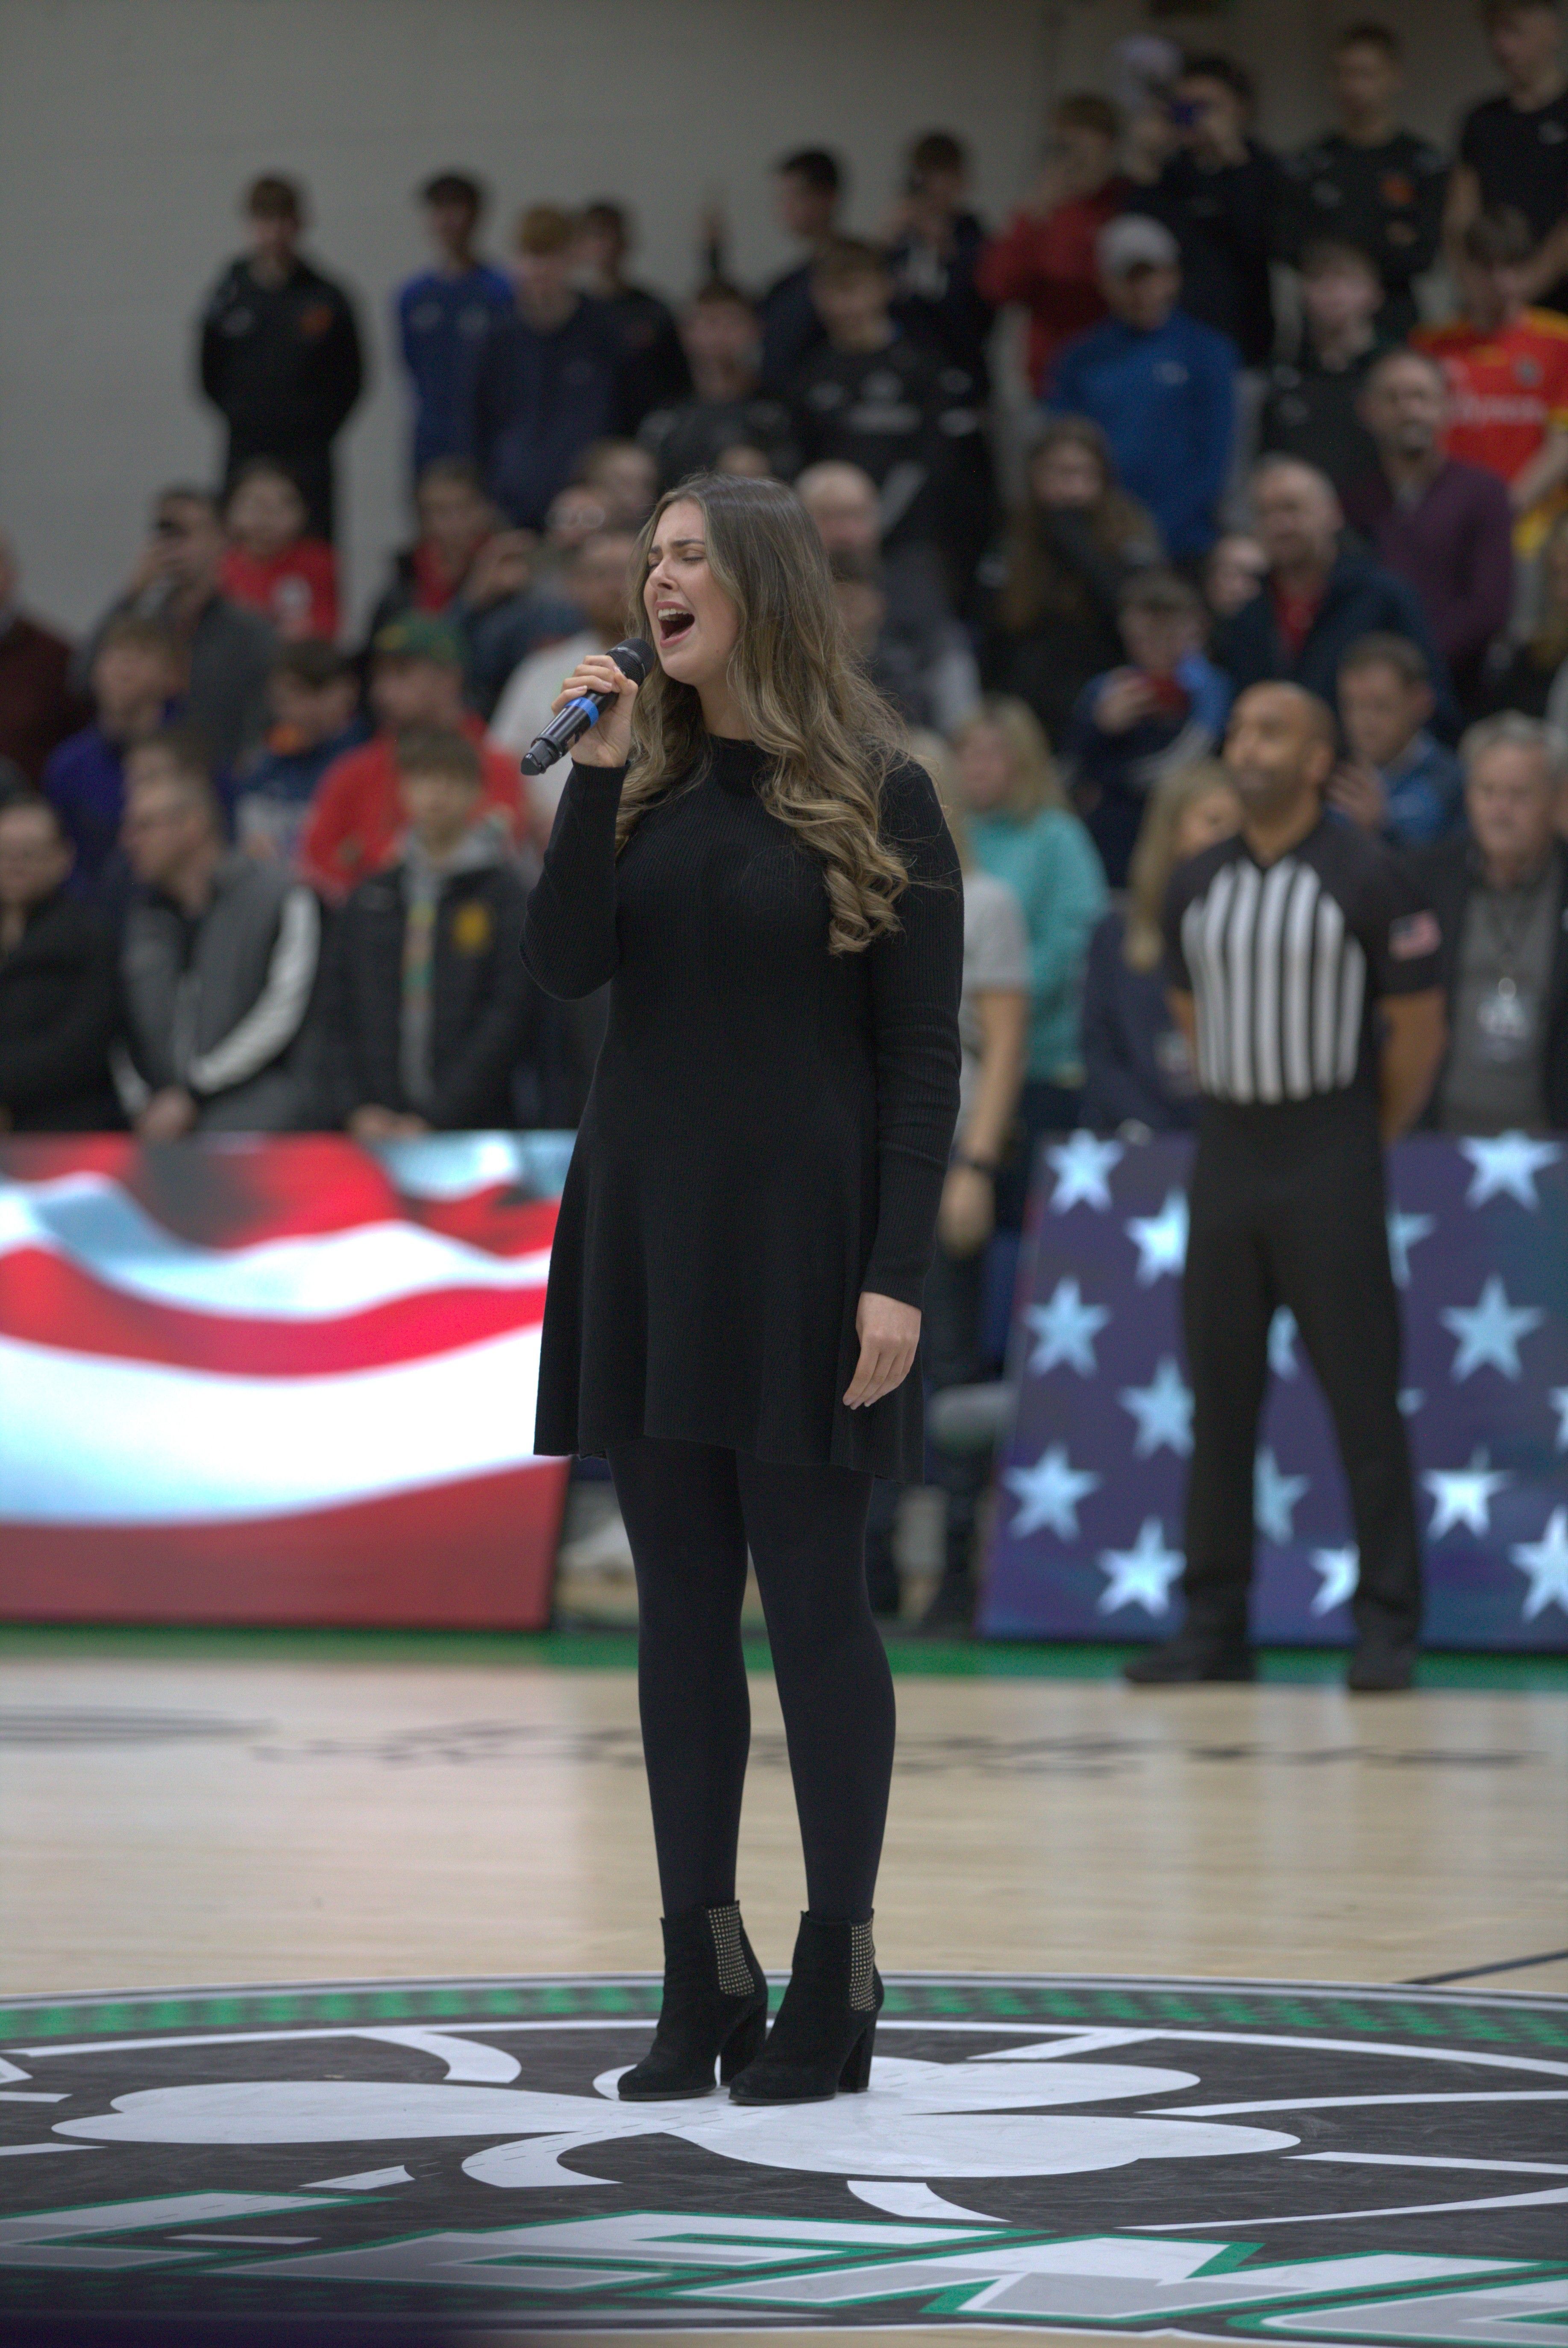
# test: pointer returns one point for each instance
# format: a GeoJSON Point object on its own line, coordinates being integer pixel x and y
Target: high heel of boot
{"type": "Point", "coordinates": [743, 2045]}
{"type": "Point", "coordinates": [821, 2044]}
{"type": "Point", "coordinates": [856, 2075]}
{"type": "Point", "coordinates": [715, 2008]}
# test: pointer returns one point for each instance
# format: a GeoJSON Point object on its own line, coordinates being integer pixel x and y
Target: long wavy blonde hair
{"type": "Point", "coordinates": [806, 700]}
{"type": "Point", "coordinates": [1154, 858]}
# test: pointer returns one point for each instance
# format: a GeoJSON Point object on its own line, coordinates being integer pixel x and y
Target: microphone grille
{"type": "Point", "coordinates": [635, 658]}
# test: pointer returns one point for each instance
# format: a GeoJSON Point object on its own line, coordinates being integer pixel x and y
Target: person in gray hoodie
{"type": "Point", "coordinates": [218, 963]}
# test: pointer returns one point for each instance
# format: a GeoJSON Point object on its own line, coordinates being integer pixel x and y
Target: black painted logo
{"type": "Point", "coordinates": [1355, 2164]}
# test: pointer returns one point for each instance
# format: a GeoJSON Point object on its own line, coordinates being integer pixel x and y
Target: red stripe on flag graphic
{"type": "Point", "coordinates": [477, 1555]}
{"type": "Point", "coordinates": [385, 1311]}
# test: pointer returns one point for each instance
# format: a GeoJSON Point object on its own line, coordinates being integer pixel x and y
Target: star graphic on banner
{"type": "Point", "coordinates": [1490, 1331]}
{"type": "Point", "coordinates": [1559, 1399]}
{"type": "Point", "coordinates": [1161, 1240]}
{"type": "Point", "coordinates": [1082, 1165]}
{"type": "Point", "coordinates": [1142, 1575]}
{"type": "Point", "coordinates": [1282, 1343]}
{"type": "Point", "coordinates": [1462, 1496]}
{"type": "Point", "coordinates": [1406, 1232]}
{"type": "Point", "coordinates": [1507, 1166]}
{"type": "Point", "coordinates": [1546, 1563]}
{"type": "Point", "coordinates": [1410, 1400]}
{"type": "Point", "coordinates": [1064, 1330]}
{"type": "Point", "coordinates": [1050, 1491]}
{"type": "Point", "coordinates": [1341, 1570]}
{"type": "Point", "coordinates": [1275, 1497]}
{"type": "Point", "coordinates": [1163, 1409]}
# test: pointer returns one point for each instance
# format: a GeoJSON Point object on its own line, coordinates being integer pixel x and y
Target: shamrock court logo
{"type": "Point", "coordinates": [1341, 2165]}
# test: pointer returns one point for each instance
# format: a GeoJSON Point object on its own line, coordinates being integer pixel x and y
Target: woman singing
{"type": "Point", "coordinates": [734, 1308]}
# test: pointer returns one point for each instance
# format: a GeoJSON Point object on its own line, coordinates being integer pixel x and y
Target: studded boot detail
{"type": "Point", "coordinates": [822, 2040]}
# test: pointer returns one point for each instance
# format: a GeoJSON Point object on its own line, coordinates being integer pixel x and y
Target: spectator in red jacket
{"type": "Point", "coordinates": [38, 704]}
{"type": "Point", "coordinates": [1045, 258]}
{"type": "Point", "coordinates": [356, 817]}
{"type": "Point", "coordinates": [271, 564]}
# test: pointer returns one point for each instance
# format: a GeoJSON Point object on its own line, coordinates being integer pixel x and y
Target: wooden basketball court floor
{"type": "Point", "coordinates": [183, 1808]}
{"type": "Point", "coordinates": [207, 1807]}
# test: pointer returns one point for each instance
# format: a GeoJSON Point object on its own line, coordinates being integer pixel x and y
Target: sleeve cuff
{"type": "Point", "coordinates": [903, 1287]}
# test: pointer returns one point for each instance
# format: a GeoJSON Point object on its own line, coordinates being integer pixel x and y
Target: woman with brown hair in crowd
{"type": "Point", "coordinates": [1068, 551]}
{"type": "Point", "coordinates": [749, 860]}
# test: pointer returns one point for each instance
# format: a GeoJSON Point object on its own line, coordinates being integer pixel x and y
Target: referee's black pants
{"type": "Point", "coordinates": [1288, 1207]}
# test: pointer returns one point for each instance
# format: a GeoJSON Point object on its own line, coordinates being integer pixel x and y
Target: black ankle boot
{"type": "Point", "coordinates": [715, 2003]}
{"type": "Point", "coordinates": [821, 2041]}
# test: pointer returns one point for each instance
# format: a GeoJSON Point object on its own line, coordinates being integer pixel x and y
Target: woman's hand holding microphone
{"type": "Point", "coordinates": [609, 743]}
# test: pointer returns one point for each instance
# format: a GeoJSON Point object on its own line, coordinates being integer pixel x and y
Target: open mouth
{"type": "Point", "coordinates": [676, 623]}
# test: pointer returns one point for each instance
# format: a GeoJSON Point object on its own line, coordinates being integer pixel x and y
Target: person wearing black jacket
{"type": "Point", "coordinates": [1069, 550]}
{"type": "Point", "coordinates": [280, 357]}
{"type": "Point", "coordinates": [1369, 184]}
{"type": "Point", "coordinates": [872, 398]}
{"type": "Point", "coordinates": [1219, 197]}
{"type": "Point", "coordinates": [426, 1007]}
{"type": "Point", "coordinates": [1319, 595]}
{"type": "Point", "coordinates": [935, 242]}
{"type": "Point", "coordinates": [727, 407]}
{"type": "Point", "coordinates": [808, 188]}
{"type": "Point", "coordinates": [652, 370]}
{"type": "Point", "coordinates": [1500, 893]}
{"type": "Point", "coordinates": [59, 993]}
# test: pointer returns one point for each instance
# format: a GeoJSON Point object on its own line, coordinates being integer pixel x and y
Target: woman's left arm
{"type": "Point", "coordinates": [916, 974]}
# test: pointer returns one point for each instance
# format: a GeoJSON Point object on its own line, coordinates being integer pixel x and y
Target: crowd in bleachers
{"type": "Point", "coordinates": [1292, 417]}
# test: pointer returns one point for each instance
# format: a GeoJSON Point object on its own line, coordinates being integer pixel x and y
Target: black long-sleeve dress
{"type": "Point", "coordinates": [768, 1131]}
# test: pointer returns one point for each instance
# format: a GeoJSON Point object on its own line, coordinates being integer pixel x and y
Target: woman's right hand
{"type": "Point", "coordinates": [609, 743]}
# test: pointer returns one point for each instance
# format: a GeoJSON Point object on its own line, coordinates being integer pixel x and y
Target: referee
{"type": "Point", "coordinates": [1302, 963]}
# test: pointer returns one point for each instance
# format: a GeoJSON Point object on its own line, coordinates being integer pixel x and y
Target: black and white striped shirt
{"type": "Point", "coordinates": [1285, 962]}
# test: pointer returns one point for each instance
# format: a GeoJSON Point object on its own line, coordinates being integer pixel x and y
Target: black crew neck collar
{"type": "Point", "coordinates": [734, 765]}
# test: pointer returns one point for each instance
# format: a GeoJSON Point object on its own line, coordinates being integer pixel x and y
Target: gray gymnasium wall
{"type": "Point", "coordinates": [127, 125]}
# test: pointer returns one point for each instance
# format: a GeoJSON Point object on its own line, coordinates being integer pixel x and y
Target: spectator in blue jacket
{"type": "Point", "coordinates": [135, 676]}
{"type": "Point", "coordinates": [1160, 386]}
{"type": "Point", "coordinates": [312, 695]}
{"type": "Point", "coordinates": [1398, 782]}
{"type": "Point", "coordinates": [1319, 596]}
{"type": "Point", "coordinates": [547, 381]}
{"type": "Point", "coordinates": [445, 316]}
{"type": "Point", "coordinates": [1138, 1075]}
{"type": "Point", "coordinates": [1164, 708]}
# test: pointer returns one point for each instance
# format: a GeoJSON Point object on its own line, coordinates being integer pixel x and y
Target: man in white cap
{"type": "Point", "coordinates": [1161, 387]}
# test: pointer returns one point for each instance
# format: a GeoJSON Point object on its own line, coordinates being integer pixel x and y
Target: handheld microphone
{"type": "Point", "coordinates": [635, 658]}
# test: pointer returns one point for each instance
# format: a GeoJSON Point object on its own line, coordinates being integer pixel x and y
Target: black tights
{"type": "Point", "coordinates": [691, 1510]}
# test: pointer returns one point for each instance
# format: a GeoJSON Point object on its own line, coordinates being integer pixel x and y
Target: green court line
{"type": "Point", "coordinates": [616, 1649]}
{"type": "Point", "coordinates": [1019, 2003]}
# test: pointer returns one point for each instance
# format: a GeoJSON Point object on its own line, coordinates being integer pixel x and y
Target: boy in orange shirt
{"type": "Point", "coordinates": [1507, 367]}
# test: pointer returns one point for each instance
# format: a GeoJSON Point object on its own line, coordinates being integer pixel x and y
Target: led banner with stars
{"type": "Point", "coordinates": [1087, 1542]}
